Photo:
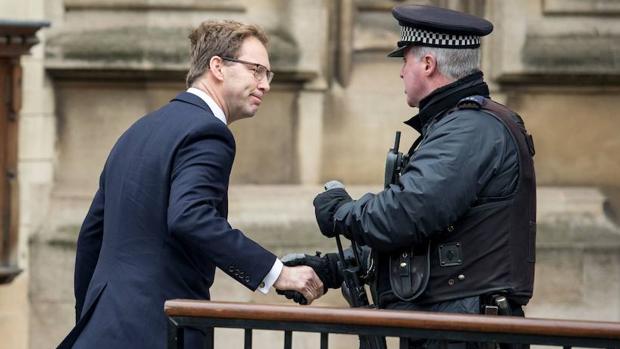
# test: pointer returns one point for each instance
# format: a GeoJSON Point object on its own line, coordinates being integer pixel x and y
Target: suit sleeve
{"type": "Point", "coordinates": [440, 182]}
{"type": "Point", "coordinates": [199, 182]}
{"type": "Point", "coordinates": [88, 247]}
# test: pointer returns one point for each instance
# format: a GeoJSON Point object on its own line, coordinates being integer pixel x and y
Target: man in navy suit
{"type": "Point", "coordinates": [157, 227]}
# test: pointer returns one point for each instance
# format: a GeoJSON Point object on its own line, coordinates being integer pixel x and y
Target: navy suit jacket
{"type": "Point", "coordinates": [157, 228]}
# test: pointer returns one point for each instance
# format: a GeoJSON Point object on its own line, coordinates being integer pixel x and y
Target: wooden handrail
{"type": "Point", "coordinates": [391, 318]}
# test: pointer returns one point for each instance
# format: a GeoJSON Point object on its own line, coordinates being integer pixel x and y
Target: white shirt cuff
{"type": "Point", "coordinates": [271, 277]}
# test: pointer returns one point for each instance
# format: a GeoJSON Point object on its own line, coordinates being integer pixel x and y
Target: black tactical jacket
{"type": "Point", "coordinates": [466, 159]}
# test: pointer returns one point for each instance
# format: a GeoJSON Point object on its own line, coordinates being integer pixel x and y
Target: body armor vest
{"type": "Point", "coordinates": [491, 249]}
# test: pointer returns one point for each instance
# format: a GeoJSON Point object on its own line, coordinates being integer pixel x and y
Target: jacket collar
{"type": "Point", "coordinates": [192, 99]}
{"type": "Point", "coordinates": [446, 97]}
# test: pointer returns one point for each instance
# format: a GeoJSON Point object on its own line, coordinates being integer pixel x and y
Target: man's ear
{"type": "Point", "coordinates": [215, 67]}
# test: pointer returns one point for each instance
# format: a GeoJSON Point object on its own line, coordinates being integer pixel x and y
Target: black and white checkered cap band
{"type": "Point", "coordinates": [428, 38]}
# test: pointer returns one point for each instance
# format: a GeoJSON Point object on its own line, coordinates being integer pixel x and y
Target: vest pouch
{"type": "Point", "coordinates": [409, 273]}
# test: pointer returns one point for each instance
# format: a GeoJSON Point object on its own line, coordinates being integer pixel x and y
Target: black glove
{"type": "Point", "coordinates": [325, 206]}
{"type": "Point", "coordinates": [326, 267]}
{"type": "Point", "coordinates": [294, 295]}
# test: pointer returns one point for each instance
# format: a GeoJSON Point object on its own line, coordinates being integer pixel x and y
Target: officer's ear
{"type": "Point", "coordinates": [430, 64]}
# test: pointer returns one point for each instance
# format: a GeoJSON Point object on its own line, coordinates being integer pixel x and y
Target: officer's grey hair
{"type": "Point", "coordinates": [452, 63]}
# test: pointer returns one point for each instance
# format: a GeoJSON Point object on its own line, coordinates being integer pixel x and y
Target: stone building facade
{"type": "Point", "coordinates": [332, 112]}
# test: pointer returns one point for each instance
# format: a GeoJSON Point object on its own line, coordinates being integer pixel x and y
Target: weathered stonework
{"type": "Point", "coordinates": [332, 112]}
{"type": "Point", "coordinates": [592, 53]}
{"type": "Point", "coordinates": [152, 46]}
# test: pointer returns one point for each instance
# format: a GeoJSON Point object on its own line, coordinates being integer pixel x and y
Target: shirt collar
{"type": "Point", "coordinates": [217, 111]}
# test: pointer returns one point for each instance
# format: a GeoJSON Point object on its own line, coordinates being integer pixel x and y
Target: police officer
{"type": "Point", "coordinates": [455, 232]}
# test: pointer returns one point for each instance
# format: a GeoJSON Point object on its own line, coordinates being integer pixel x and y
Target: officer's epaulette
{"type": "Point", "coordinates": [471, 102]}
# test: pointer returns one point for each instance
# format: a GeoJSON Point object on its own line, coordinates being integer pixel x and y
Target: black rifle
{"type": "Point", "coordinates": [355, 293]}
{"type": "Point", "coordinates": [353, 287]}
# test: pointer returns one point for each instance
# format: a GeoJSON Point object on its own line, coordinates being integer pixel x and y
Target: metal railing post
{"type": "Point", "coordinates": [247, 339]}
{"type": "Point", "coordinates": [288, 339]}
{"type": "Point", "coordinates": [403, 343]}
{"type": "Point", "coordinates": [209, 338]}
{"type": "Point", "coordinates": [175, 335]}
{"type": "Point", "coordinates": [324, 340]}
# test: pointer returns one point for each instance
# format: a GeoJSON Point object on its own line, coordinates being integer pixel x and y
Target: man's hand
{"type": "Point", "coordinates": [325, 205]}
{"type": "Point", "coordinates": [301, 279]}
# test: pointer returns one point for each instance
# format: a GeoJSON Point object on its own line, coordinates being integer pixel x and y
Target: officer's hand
{"type": "Point", "coordinates": [294, 295]}
{"type": "Point", "coordinates": [325, 206]}
{"type": "Point", "coordinates": [326, 267]}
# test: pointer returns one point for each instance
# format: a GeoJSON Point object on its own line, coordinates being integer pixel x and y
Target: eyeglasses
{"type": "Point", "coordinates": [260, 71]}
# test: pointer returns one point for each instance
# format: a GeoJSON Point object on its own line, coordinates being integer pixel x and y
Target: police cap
{"type": "Point", "coordinates": [438, 27]}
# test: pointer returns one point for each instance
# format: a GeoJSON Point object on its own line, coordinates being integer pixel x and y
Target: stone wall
{"type": "Point", "coordinates": [335, 104]}
{"type": "Point", "coordinates": [557, 64]}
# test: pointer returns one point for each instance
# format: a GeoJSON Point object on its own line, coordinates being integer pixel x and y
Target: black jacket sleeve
{"type": "Point", "coordinates": [458, 156]}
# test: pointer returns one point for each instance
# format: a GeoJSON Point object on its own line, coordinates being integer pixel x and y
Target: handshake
{"type": "Point", "coordinates": [309, 276]}
{"type": "Point", "coordinates": [305, 278]}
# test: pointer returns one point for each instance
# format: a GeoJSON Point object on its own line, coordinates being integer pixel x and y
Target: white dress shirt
{"type": "Point", "coordinates": [217, 111]}
{"type": "Point", "coordinates": [276, 269]}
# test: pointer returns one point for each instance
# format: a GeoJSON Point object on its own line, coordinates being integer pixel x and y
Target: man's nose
{"type": "Point", "coordinates": [264, 85]}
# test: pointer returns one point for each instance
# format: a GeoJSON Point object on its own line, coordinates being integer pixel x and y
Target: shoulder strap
{"type": "Point", "coordinates": [512, 120]}
{"type": "Point", "coordinates": [414, 145]}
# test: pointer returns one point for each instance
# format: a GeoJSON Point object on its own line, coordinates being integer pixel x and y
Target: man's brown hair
{"type": "Point", "coordinates": [218, 38]}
